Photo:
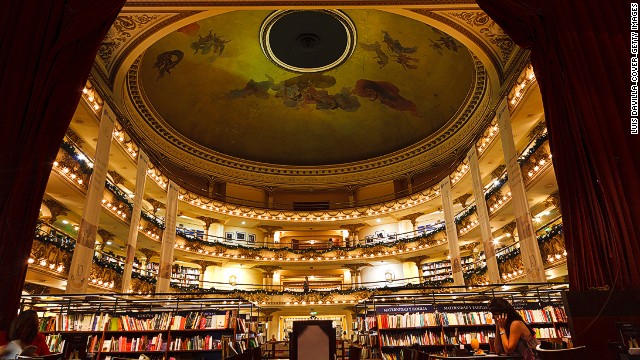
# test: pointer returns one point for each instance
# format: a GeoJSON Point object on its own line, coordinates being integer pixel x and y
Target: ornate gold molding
{"type": "Point", "coordinates": [199, 160]}
{"type": "Point", "coordinates": [55, 208]}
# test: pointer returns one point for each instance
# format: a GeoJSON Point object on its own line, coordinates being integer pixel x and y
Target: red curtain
{"type": "Point", "coordinates": [580, 52]}
{"type": "Point", "coordinates": [47, 49]}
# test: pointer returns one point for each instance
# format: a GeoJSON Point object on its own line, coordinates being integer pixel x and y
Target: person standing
{"type": "Point", "coordinates": [305, 284]}
{"type": "Point", "coordinates": [513, 334]}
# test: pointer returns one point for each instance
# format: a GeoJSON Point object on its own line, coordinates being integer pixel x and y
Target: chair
{"type": "Point", "coordinates": [355, 352]}
{"type": "Point", "coordinates": [576, 353]}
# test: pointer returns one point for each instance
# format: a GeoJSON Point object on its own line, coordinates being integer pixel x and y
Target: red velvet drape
{"type": "Point", "coordinates": [46, 52]}
{"type": "Point", "coordinates": [580, 52]}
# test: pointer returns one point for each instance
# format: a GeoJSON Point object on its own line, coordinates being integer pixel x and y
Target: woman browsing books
{"type": "Point", "coordinates": [514, 335]}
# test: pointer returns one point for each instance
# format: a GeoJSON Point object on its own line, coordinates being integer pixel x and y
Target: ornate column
{"type": "Point", "coordinates": [269, 231]}
{"type": "Point", "coordinates": [412, 219]}
{"type": "Point", "coordinates": [148, 253]}
{"type": "Point", "coordinates": [356, 279]}
{"type": "Point", "coordinates": [207, 224]}
{"type": "Point", "coordinates": [269, 190]}
{"type": "Point", "coordinates": [268, 317]}
{"type": "Point", "coordinates": [106, 237]}
{"type": "Point", "coordinates": [351, 190]}
{"type": "Point", "coordinates": [168, 239]}
{"type": "Point", "coordinates": [203, 268]}
{"type": "Point", "coordinates": [267, 279]}
{"type": "Point", "coordinates": [493, 273]}
{"type": "Point", "coordinates": [417, 260]}
{"type": "Point", "coordinates": [353, 229]}
{"type": "Point", "coordinates": [452, 232]}
{"type": "Point", "coordinates": [82, 259]}
{"type": "Point", "coordinates": [141, 178]}
{"type": "Point", "coordinates": [531, 259]}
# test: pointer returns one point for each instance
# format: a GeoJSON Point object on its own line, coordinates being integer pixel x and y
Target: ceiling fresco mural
{"type": "Point", "coordinates": [211, 82]}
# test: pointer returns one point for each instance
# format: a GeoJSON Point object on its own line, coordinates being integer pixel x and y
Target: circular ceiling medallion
{"type": "Point", "coordinates": [308, 41]}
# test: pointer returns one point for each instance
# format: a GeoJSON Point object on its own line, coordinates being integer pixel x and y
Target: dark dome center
{"type": "Point", "coordinates": [309, 40]}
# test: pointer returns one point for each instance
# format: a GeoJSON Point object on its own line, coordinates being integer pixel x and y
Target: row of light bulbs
{"type": "Point", "coordinates": [539, 166]}
{"type": "Point", "coordinates": [557, 257]}
{"type": "Point", "coordinates": [500, 203]}
{"type": "Point", "coordinates": [114, 209]}
{"type": "Point", "coordinates": [513, 274]}
{"type": "Point", "coordinates": [58, 267]}
{"type": "Point", "coordinates": [318, 258]}
{"type": "Point", "coordinates": [486, 141]}
{"type": "Point", "coordinates": [90, 96]}
{"type": "Point", "coordinates": [102, 283]}
{"type": "Point", "coordinates": [527, 78]}
{"type": "Point", "coordinates": [68, 173]}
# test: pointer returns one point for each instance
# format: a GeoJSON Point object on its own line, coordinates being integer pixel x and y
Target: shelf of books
{"type": "Point", "coordinates": [155, 328]}
{"type": "Point", "coordinates": [437, 328]}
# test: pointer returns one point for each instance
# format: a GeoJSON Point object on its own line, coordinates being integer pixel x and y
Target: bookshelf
{"type": "Point", "coordinates": [158, 327]}
{"type": "Point", "coordinates": [441, 270]}
{"type": "Point", "coordinates": [424, 323]}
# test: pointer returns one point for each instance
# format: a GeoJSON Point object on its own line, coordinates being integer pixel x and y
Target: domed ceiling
{"type": "Point", "coordinates": [211, 82]}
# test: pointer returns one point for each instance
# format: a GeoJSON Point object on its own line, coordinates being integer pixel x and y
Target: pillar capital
{"type": "Point", "coordinates": [268, 313]}
{"type": "Point", "coordinates": [352, 228]}
{"type": "Point", "coordinates": [355, 267]}
{"type": "Point", "coordinates": [417, 259]}
{"type": "Point", "coordinates": [462, 200]}
{"type": "Point", "coordinates": [510, 229]}
{"type": "Point", "coordinates": [553, 200]}
{"type": "Point", "coordinates": [55, 208]}
{"type": "Point", "coordinates": [148, 253]}
{"type": "Point", "coordinates": [208, 221]}
{"type": "Point", "coordinates": [105, 235]}
{"type": "Point", "coordinates": [205, 264]}
{"type": "Point", "coordinates": [470, 246]}
{"type": "Point", "coordinates": [157, 205]}
{"type": "Point", "coordinates": [117, 178]}
{"type": "Point", "coordinates": [412, 217]}
{"type": "Point", "coordinates": [269, 230]}
{"type": "Point", "coordinates": [267, 269]}
{"type": "Point", "coordinates": [497, 172]}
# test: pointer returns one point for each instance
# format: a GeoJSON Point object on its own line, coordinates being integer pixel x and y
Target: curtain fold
{"type": "Point", "coordinates": [48, 48]}
{"type": "Point", "coordinates": [580, 55]}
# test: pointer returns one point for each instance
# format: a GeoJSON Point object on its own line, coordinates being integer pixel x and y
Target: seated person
{"type": "Point", "coordinates": [513, 334]}
{"type": "Point", "coordinates": [23, 336]}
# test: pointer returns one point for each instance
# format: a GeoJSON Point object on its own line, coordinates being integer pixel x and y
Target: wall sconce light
{"type": "Point", "coordinates": [233, 280]}
{"type": "Point", "coordinates": [389, 276]}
